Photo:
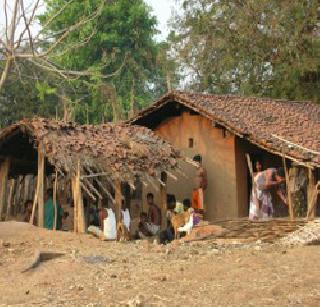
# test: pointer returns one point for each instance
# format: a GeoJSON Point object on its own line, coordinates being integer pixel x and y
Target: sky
{"type": "Point", "coordinates": [162, 10]}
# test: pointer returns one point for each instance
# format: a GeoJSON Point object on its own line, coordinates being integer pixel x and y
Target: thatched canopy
{"type": "Point", "coordinates": [118, 149]}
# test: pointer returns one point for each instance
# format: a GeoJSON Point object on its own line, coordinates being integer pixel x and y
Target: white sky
{"type": "Point", "coordinates": [162, 10]}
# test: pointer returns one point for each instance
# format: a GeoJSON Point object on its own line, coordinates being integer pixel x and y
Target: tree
{"type": "Point", "coordinates": [18, 42]}
{"type": "Point", "coordinates": [266, 47]}
{"type": "Point", "coordinates": [122, 47]}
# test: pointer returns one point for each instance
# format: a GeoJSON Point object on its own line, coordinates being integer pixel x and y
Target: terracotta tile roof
{"type": "Point", "coordinates": [260, 120]}
{"type": "Point", "coordinates": [119, 149]}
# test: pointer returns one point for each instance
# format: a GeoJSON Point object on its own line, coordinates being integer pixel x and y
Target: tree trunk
{"type": "Point", "coordinates": [5, 73]}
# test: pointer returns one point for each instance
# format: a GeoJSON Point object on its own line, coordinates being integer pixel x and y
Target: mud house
{"type": "Point", "coordinates": [94, 163]}
{"type": "Point", "coordinates": [227, 130]}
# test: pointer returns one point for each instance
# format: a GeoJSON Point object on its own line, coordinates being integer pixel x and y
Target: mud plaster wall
{"type": "Point", "coordinates": [218, 152]}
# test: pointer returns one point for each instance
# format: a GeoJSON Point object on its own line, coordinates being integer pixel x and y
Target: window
{"type": "Point", "coordinates": [191, 143]}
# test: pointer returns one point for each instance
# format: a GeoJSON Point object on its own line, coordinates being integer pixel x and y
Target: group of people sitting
{"type": "Point", "coordinates": [49, 213]}
{"type": "Point", "coordinates": [150, 222]}
{"type": "Point", "coordinates": [266, 183]}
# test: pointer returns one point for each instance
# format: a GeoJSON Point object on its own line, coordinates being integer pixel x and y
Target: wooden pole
{"type": "Point", "coordinates": [311, 187]}
{"type": "Point", "coordinates": [40, 185]}
{"type": "Point", "coordinates": [118, 199]}
{"type": "Point", "coordinates": [4, 170]}
{"type": "Point", "coordinates": [11, 190]}
{"type": "Point", "coordinates": [287, 176]}
{"type": "Point", "coordinates": [163, 201]}
{"type": "Point", "coordinates": [55, 188]}
{"type": "Point", "coordinates": [75, 210]}
{"type": "Point", "coordinates": [79, 202]}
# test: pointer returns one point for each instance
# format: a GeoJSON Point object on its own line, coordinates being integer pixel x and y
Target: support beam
{"type": "Point", "coordinates": [118, 199]}
{"type": "Point", "coordinates": [4, 170]}
{"type": "Point", "coordinates": [40, 185]}
{"type": "Point", "coordinates": [311, 192]}
{"type": "Point", "coordinates": [163, 201]}
{"type": "Point", "coordinates": [78, 202]}
{"type": "Point", "coordinates": [289, 200]}
{"type": "Point", "coordinates": [75, 209]}
{"type": "Point", "coordinates": [55, 189]}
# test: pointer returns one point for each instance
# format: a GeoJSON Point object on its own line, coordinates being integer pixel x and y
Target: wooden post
{"type": "Point", "coordinates": [311, 187]}
{"type": "Point", "coordinates": [163, 201]}
{"type": "Point", "coordinates": [11, 190]}
{"type": "Point", "coordinates": [75, 210]}
{"type": "Point", "coordinates": [118, 199]}
{"type": "Point", "coordinates": [78, 203]}
{"type": "Point", "coordinates": [313, 191]}
{"type": "Point", "coordinates": [289, 198]}
{"type": "Point", "coordinates": [40, 185]}
{"type": "Point", "coordinates": [4, 170]}
{"type": "Point", "coordinates": [55, 188]}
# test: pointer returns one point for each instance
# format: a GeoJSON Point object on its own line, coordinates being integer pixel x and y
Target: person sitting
{"type": "Point", "coordinates": [49, 212]}
{"type": "Point", "coordinates": [167, 235]}
{"type": "Point", "coordinates": [154, 215]}
{"type": "Point", "coordinates": [143, 228]}
{"type": "Point", "coordinates": [188, 207]}
{"type": "Point", "coordinates": [186, 204]}
{"type": "Point", "coordinates": [28, 211]}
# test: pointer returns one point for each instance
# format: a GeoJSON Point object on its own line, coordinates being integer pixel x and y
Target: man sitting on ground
{"type": "Point", "coordinates": [143, 228]}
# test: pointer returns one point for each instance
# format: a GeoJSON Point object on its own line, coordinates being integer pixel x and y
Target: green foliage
{"type": "Point", "coordinates": [265, 47]}
{"type": "Point", "coordinates": [44, 89]}
{"type": "Point", "coordinates": [24, 95]}
{"type": "Point", "coordinates": [121, 55]}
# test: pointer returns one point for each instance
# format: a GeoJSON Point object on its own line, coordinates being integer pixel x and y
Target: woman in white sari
{"type": "Point", "coordinates": [261, 199]}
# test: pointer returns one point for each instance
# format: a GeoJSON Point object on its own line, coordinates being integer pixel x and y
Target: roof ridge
{"type": "Point", "coordinates": [261, 98]}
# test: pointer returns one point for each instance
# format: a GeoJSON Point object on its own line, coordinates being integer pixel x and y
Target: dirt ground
{"type": "Point", "coordinates": [205, 273]}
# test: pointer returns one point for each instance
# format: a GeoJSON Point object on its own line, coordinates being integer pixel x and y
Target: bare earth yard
{"type": "Point", "coordinates": [204, 273]}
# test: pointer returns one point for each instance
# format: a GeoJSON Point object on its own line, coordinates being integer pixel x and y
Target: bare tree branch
{"type": "Point", "coordinates": [27, 24]}
{"type": "Point", "coordinates": [6, 16]}
{"type": "Point", "coordinates": [19, 47]}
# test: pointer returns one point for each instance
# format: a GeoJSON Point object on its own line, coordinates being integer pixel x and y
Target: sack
{"type": "Point", "coordinates": [109, 226]}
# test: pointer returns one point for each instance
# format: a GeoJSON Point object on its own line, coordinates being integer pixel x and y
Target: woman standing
{"type": "Point", "coordinates": [261, 200]}
{"type": "Point", "coordinates": [254, 210]}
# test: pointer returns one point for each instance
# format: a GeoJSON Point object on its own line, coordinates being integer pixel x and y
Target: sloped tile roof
{"type": "Point", "coordinates": [269, 123]}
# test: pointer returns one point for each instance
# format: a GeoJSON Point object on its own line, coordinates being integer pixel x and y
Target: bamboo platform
{"type": "Point", "coordinates": [266, 231]}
